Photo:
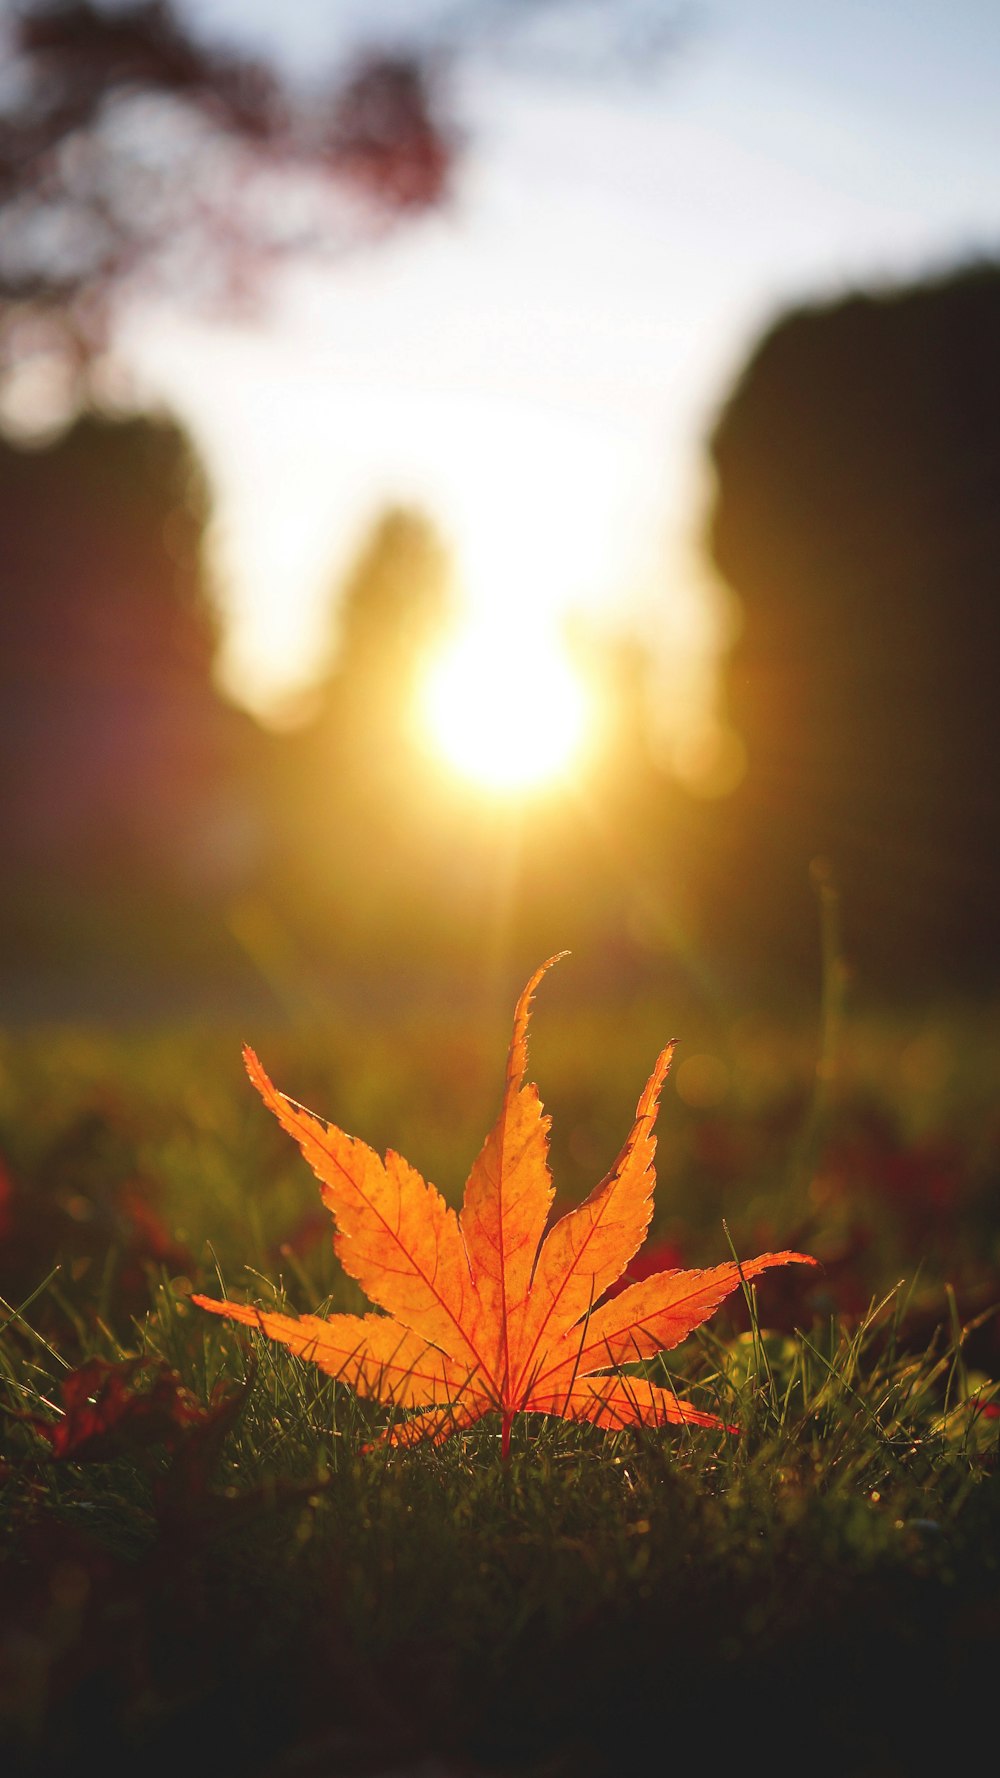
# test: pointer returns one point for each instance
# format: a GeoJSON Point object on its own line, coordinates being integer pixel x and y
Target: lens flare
{"type": "Point", "coordinates": [507, 711]}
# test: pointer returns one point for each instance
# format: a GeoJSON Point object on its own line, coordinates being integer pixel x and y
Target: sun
{"type": "Point", "coordinates": [507, 711]}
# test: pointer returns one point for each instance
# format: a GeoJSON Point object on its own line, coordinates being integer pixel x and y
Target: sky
{"type": "Point", "coordinates": [540, 366]}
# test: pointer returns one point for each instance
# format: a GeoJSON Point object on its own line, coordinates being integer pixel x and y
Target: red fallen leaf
{"type": "Point", "coordinates": [183, 1491]}
{"type": "Point", "coordinates": [486, 1311]}
{"type": "Point", "coordinates": [107, 1414]}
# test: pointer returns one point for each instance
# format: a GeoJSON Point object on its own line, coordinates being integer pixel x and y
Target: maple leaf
{"type": "Point", "coordinates": [484, 1311]}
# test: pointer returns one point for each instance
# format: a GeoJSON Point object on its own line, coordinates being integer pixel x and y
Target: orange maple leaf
{"type": "Point", "coordinates": [483, 1311]}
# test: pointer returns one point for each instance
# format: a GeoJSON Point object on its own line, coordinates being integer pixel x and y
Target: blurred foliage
{"type": "Point", "coordinates": [119, 763]}
{"type": "Point", "coordinates": [142, 160]}
{"type": "Point", "coordinates": [856, 520]}
{"type": "Point", "coordinates": [138, 158]}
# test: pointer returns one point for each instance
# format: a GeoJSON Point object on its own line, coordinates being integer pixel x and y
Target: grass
{"type": "Point", "coordinates": [278, 1600]}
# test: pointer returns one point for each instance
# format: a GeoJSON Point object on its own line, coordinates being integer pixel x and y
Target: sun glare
{"type": "Point", "coordinates": [508, 712]}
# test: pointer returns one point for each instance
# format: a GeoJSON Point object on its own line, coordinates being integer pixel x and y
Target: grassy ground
{"type": "Point", "coordinates": [231, 1580]}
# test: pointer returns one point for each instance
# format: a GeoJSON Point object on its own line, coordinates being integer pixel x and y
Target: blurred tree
{"type": "Point", "coordinates": [857, 519]}
{"type": "Point", "coordinates": [139, 160]}
{"type": "Point", "coordinates": [393, 610]}
{"type": "Point", "coordinates": [118, 759]}
{"type": "Point", "coordinates": [135, 158]}
{"type": "Point", "coordinates": [352, 790]}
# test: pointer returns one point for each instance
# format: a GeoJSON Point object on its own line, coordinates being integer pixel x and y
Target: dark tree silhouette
{"type": "Point", "coordinates": [857, 519]}
{"type": "Point", "coordinates": [118, 758]}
